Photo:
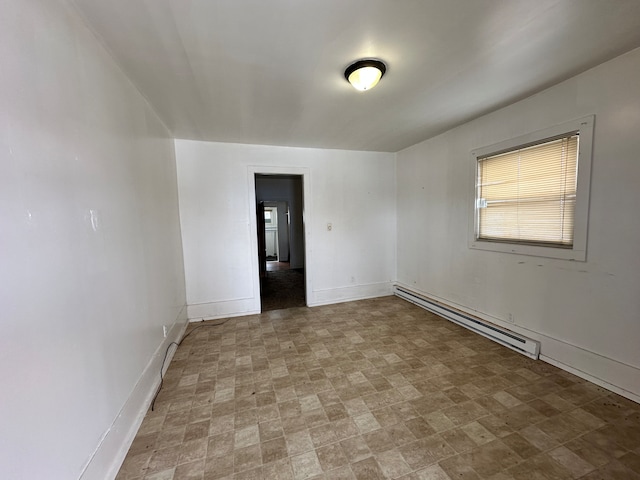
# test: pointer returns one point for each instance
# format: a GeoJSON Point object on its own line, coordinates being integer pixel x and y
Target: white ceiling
{"type": "Point", "coordinates": [271, 71]}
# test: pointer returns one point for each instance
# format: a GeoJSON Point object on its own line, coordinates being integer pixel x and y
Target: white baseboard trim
{"type": "Point", "coordinates": [228, 315]}
{"type": "Point", "coordinates": [223, 309]}
{"type": "Point", "coordinates": [621, 379]}
{"type": "Point", "coordinates": [606, 372]}
{"type": "Point", "coordinates": [114, 445]}
{"type": "Point", "coordinates": [247, 306]}
{"type": "Point", "coordinates": [350, 293]}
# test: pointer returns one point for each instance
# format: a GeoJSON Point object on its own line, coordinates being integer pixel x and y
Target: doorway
{"type": "Point", "coordinates": [276, 226]}
{"type": "Point", "coordinates": [281, 249]}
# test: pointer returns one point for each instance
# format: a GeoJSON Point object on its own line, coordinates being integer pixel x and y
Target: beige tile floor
{"type": "Point", "coordinates": [375, 389]}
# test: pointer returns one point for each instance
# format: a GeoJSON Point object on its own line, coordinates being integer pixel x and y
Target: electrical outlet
{"type": "Point", "coordinates": [511, 318]}
{"type": "Point", "coordinates": [329, 227]}
{"type": "Point", "coordinates": [164, 331]}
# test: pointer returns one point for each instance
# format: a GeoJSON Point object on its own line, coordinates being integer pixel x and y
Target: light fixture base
{"type": "Point", "coordinates": [365, 74]}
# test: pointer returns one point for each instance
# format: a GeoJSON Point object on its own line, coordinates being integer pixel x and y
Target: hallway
{"type": "Point", "coordinates": [282, 287]}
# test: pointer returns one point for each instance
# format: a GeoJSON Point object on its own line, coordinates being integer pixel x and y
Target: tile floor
{"type": "Point", "coordinates": [375, 389]}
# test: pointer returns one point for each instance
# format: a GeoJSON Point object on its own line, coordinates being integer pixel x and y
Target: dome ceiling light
{"type": "Point", "coordinates": [365, 74]}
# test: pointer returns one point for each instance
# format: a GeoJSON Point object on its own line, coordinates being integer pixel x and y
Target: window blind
{"type": "Point", "coordinates": [528, 195]}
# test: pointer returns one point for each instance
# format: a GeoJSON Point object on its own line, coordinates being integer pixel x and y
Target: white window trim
{"type": "Point", "coordinates": [581, 215]}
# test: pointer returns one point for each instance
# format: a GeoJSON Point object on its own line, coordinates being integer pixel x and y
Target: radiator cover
{"type": "Point", "coordinates": [503, 336]}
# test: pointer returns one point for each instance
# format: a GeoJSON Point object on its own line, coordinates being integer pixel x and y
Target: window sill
{"type": "Point", "coordinates": [579, 255]}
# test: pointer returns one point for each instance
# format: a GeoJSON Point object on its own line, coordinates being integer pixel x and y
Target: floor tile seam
{"type": "Point", "coordinates": [373, 456]}
{"type": "Point", "coordinates": [554, 447]}
{"type": "Point", "coordinates": [627, 450]}
{"type": "Point", "coordinates": [519, 458]}
{"type": "Point", "coordinates": [394, 447]}
{"type": "Point", "coordinates": [388, 406]}
{"type": "Point", "coordinates": [555, 461]}
{"type": "Point", "coordinates": [482, 477]}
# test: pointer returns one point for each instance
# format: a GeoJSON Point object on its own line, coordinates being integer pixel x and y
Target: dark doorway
{"type": "Point", "coordinates": [281, 257]}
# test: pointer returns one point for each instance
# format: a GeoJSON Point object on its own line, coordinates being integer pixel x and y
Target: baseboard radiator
{"type": "Point", "coordinates": [514, 341]}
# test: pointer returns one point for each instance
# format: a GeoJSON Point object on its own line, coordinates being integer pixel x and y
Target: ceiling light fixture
{"type": "Point", "coordinates": [365, 74]}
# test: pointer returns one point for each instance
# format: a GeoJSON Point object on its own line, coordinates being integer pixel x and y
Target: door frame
{"type": "Point", "coordinates": [305, 173]}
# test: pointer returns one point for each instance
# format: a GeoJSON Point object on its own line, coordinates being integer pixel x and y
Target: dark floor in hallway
{"type": "Point", "coordinates": [282, 287]}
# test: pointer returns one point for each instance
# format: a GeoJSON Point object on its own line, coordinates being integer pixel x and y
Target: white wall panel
{"type": "Point", "coordinates": [90, 262]}
{"type": "Point", "coordinates": [354, 191]}
{"type": "Point", "coordinates": [585, 313]}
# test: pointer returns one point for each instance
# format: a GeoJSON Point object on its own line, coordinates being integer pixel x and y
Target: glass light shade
{"type": "Point", "coordinates": [365, 78]}
{"type": "Point", "coordinates": [365, 74]}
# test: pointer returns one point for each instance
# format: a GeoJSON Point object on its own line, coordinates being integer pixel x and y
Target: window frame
{"type": "Point", "coordinates": [578, 251]}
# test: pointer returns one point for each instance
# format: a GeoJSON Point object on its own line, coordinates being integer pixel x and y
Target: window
{"type": "Point", "coordinates": [528, 195]}
{"type": "Point", "coordinates": [531, 193]}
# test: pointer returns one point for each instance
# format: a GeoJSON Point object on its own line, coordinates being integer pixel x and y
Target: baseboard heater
{"type": "Point", "coordinates": [518, 343]}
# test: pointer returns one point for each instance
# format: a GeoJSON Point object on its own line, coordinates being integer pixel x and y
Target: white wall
{"type": "Point", "coordinates": [90, 262]}
{"type": "Point", "coordinates": [587, 314]}
{"type": "Point", "coordinates": [287, 189]}
{"type": "Point", "coordinates": [354, 191]}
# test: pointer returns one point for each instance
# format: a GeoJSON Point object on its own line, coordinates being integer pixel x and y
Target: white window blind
{"type": "Point", "coordinates": [528, 194]}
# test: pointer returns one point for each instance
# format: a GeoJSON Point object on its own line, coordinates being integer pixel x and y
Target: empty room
{"type": "Point", "coordinates": [320, 239]}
